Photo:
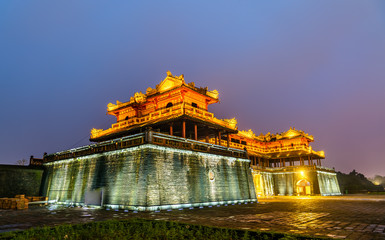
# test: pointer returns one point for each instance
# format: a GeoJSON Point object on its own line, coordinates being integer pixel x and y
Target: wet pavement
{"type": "Point", "coordinates": [350, 217]}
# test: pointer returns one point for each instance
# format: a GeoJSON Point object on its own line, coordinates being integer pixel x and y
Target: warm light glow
{"type": "Point", "coordinates": [151, 107]}
{"type": "Point", "coordinates": [174, 98]}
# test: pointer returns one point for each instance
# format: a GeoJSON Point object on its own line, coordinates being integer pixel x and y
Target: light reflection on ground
{"type": "Point", "coordinates": [353, 217]}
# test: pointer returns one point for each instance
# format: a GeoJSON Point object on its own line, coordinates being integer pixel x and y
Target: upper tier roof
{"type": "Point", "coordinates": [169, 83]}
{"type": "Point", "coordinates": [289, 134]}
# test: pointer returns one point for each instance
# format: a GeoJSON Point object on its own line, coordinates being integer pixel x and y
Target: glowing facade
{"type": "Point", "coordinates": [180, 109]}
{"type": "Point", "coordinates": [166, 150]}
{"type": "Point", "coordinates": [177, 108]}
{"type": "Point", "coordinates": [173, 107]}
{"type": "Point", "coordinates": [156, 156]}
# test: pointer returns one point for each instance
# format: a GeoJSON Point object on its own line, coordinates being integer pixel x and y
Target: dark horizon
{"type": "Point", "coordinates": [318, 67]}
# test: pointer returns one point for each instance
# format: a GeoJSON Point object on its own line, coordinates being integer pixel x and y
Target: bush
{"type": "Point", "coordinates": [142, 229]}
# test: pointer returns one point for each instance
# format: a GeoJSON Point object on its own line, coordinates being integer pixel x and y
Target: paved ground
{"type": "Point", "coordinates": [352, 217]}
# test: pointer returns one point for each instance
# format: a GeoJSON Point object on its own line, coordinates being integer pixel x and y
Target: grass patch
{"type": "Point", "coordinates": [142, 229]}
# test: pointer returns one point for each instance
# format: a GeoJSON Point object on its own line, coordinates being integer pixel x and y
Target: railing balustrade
{"type": "Point", "coordinates": [176, 110]}
{"type": "Point", "coordinates": [143, 138]}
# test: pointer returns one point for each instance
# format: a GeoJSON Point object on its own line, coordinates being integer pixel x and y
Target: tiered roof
{"type": "Point", "coordinates": [292, 143]}
{"type": "Point", "coordinates": [173, 99]}
{"type": "Point", "coordinates": [150, 108]}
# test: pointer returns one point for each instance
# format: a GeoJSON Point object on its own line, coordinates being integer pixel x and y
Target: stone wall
{"type": "Point", "coordinates": [328, 183]}
{"type": "Point", "coordinates": [148, 177]}
{"type": "Point", "coordinates": [16, 180]}
{"type": "Point", "coordinates": [283, 181]}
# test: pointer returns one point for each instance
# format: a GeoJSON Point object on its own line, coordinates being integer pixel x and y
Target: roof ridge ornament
{"type": "Point", "coordinates": [232, 122]}
{"type": "Point", "coordinates": [249, 133]}
{"type": "Point", "coordinates": [139, 97]}
{"type": "Point", "coordinates": [181, 77]}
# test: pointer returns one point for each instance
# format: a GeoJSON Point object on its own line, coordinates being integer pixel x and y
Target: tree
{"type": "Point", "coordinates": [21, 162]}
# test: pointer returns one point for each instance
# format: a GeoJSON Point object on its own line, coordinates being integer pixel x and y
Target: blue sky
{"type": "Point", "coordinates": [314, 65]}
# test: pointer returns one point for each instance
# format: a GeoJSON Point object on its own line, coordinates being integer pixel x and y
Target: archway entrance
{"type": "Point", "coordinates": [303, 187]}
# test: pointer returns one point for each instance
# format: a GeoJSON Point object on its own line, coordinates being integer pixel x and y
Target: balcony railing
{"type": "Point", "coordinates": [267, 150]}
{"type": "Point", "coordinates": [175, 111]}
{"type": "Point", "coordinates": [294, 168]}
{"type": "Point", "coordinates": [143, 138]}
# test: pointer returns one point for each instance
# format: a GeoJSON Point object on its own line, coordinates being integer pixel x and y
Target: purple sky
{"type": "Point", "coordinates": [316, 65]}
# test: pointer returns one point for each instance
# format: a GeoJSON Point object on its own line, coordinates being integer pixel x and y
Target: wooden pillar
{"type": "Point", "coordinates": [184, 129]}
{"type": "Point", "coordinates": [308, 160]}
{"type": "Point", "coordinates": [228, 140]}
{"type": "Point", "coordinates": [219, 138]}
{"type": "Point", "coordinates": [320, 162]}
{"type": "Point", "coordinates": [195, 132]}
{"type": "Point", "coordinates": [280, 162]}
{"type": "Point", "coordinates": [171, 132]}
{"type": "Point", "coordinates": [259, 162]}
{"type": "Point", "coordinates": [284, 160]}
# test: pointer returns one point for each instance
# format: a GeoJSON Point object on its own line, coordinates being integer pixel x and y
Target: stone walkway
{"type": "Point", "coordinates": [351, 217]}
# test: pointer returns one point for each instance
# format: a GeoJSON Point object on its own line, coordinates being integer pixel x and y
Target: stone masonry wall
{"type": "Point", "coordinates": [16, 180]}
{"type": "Point", "coordinates": [150, 175]}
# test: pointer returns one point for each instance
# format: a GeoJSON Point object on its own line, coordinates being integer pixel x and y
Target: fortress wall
{"type": "Point", "coordinates": [283, 182]}
{"type": "Point", "coordinates": [328, 183]}
{"type": "Point", "coordinates": [149, 176]}
{"type": "Point", "coordinates": [16, 180]}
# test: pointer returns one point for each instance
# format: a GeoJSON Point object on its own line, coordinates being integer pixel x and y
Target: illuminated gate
{"type": "Point", "coordinates": [303, 187]}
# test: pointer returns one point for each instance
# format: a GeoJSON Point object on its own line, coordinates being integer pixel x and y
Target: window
{"type": "Point", "coordinates": [126, 118]}
{"type": "Point", "coordinates": [169, 105]}
{"type": "Point", "coordinates": [194, 105]}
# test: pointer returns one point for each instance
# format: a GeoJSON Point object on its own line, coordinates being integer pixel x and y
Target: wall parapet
{"type": "Point", "coordinates": [293, 168]}
{"type": "Point", "coordinates": [146, 137]}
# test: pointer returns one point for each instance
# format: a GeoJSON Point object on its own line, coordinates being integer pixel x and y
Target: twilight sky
{"type": "Point", "coordinates": [316, 65]}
